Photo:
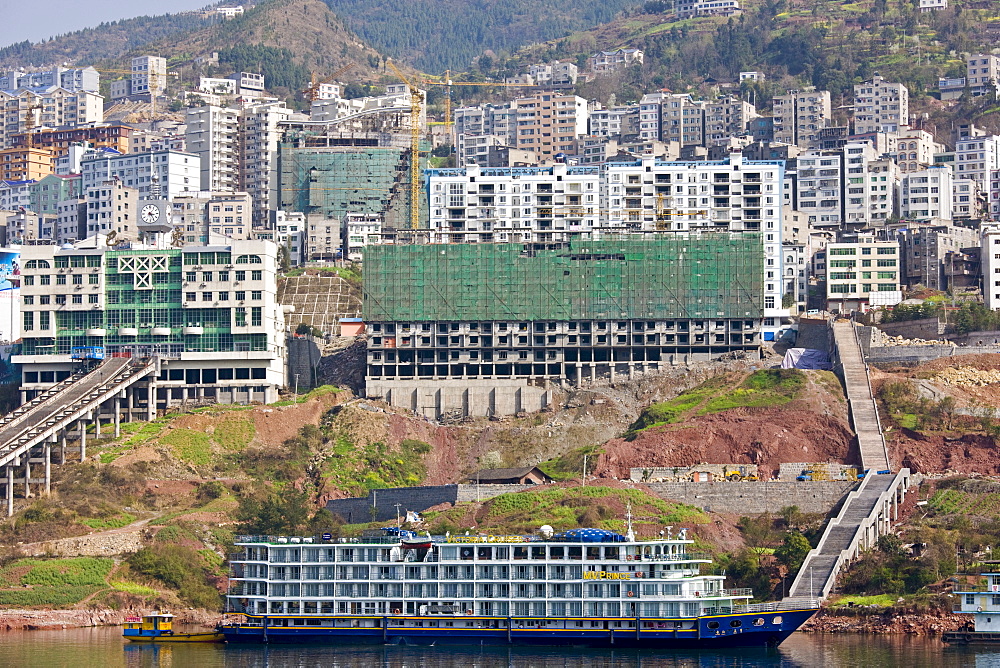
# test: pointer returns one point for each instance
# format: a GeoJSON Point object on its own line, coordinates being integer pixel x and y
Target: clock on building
{"type": "Point", "coordinates": [150, 213]}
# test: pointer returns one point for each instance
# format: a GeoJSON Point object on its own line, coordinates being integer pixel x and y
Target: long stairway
{"type": "Point", "coordinates": [868, 511]}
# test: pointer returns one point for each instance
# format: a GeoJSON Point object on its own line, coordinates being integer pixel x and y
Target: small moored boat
{"type": "Point", "coordinates": [157, 627]}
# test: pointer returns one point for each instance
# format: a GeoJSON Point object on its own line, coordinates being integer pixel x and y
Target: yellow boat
{"type": "Point", "coordinates": [157, 627]}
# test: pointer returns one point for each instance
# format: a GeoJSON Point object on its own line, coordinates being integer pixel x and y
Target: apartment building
{"type": "Point", "coordinates": [862, 274]}
{"type": "Point", "coordinates": [205, 215]}
{"type": "Point", "coordinates": [672, 117]}
{"type": "Point", "coordinates": [26, 164]}
{"type": "Point", "coordinates": [800, 115]}
{"type": "Point", "coordinates": [726, 117]}
{"type": "Point", "coordinates": [360, 230]}
{"type": "Point", "coordinates": [926, 195]}
{"type": "Point", "coordinates": [209, 312]}
{"type": "Point", "coordinates": [521, 204]}
{"type": "Point", "coordinates": [212, 133]}
{"type": "Point", "coordinates": [914, 149]}
{"type": "Point", "coordinates": [603, 122]}
{"type": "Point", "coordinates": [989, 241]}
{"type": "Point", "coordinates": [48, 191]}
{"type": "Point", "coordinates": [112, 207]}
{"type": "Point", "coordinates": [976, 157]}
{"type": "Point", "coordinates": [71, 221]}
{"type": "Point", "coordinates": [548, 123]}
{"type": "Point", "coordinates": [149, 75]}
{"type": "Point", "coordinates": [60, 140]}
{"type": "Point", "coordinates": [880, 106]}
{"type": "Point", "coordinates": [968, 199]}
{"type": "Point", "coordinates": [169, 172]}
{"type": "Point", "coordinates": [70, 79]}
{"type": "Point", "coordinates": [24, 109]}
{"type": "Point", "coordinates": [549, 205]}
{"type": "Point", "coordinates": [605, 62]}
{"type": "Point", "coordinates": [258, 152]}
{"type": "Point", "coordinates": [923, 250]}
{"type": "Point", "coordinates": [983, 73]}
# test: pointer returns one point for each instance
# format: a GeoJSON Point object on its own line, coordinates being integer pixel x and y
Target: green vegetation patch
{"type": "Point", "coordinates": [189, 445]}
{"type": "Point", "coordinates": [114, 522]}
{"type": "Point", "coordinates": [234, 432]}
{"type": "Point", "coordinates": [569, 466]}
{"type": "Point", "coordinates": [571, 507]}
{"type": "Point", "coordinates": [46, 596]}
{"type": "Point", "coordinates": [134, 589]}
{"type": "Point", "coordinates": [78, 571]}
{"type": "Point", "coordinates": [670, 412]}
{"type": "Point", "coordinates": [769, 387]}
{"type": "Point", "coordinates": [879, 600]}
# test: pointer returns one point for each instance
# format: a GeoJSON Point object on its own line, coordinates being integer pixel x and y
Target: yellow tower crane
{"type": "Point", "coordinates": [312, 93]}
{"type": "Point", "coordinates": [416, 103]}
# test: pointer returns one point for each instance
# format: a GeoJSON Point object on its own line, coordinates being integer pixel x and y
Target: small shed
{"type": "Point", "coordinates": [352, 327]}
{"type": "Point", "coordinates": [527, 475]}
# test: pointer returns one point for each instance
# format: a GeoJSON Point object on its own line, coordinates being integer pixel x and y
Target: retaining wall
{"type": "Point", "coordinates": [417, 499]}
{"type": "Point", "coordinates": [753, 498]}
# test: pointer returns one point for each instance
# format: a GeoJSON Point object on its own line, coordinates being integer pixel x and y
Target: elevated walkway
{"type": "Point", "coordinates": [28, 433]}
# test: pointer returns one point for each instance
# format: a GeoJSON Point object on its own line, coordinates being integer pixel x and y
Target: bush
{"type": "Point", "coordinates": [211, 489]}
{"type": "Point", "coordinates": [180, 567]}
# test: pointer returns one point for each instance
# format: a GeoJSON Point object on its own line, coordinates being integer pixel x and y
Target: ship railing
{"type": "Point", "coordinates": [771, 606]}
{"type": "Point", "coordinates": [719, 610]}
{"type": "Point", "coordinates": [689, 556]}
{"type": "Point", "coordinates": [962, 588]}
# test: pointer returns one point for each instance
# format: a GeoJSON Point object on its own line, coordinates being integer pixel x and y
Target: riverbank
{"type": "Point", "coordinates": [34, 620]}
{"type": "Point", "coordinates": [883, 621]}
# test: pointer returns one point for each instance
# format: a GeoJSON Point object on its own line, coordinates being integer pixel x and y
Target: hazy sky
{"type": "Point", "coordinates": [23, 19]}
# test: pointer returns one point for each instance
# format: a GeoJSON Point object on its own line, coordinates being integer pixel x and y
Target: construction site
{"type": "Point", "coordinates": [327, 170]}
{"type": "Point", "coordinates": [496, 326]}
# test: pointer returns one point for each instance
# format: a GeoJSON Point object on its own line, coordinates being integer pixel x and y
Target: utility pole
{"type": "Point", "coordinates": [397, 514]}
{"type": "Point", "coordinates": [296, 385]}
{"type": "Point", "coordinates": [583, 480]}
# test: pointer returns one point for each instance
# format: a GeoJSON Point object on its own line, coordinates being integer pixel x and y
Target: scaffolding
{"type": "Point", "coordinates": [652, 277]}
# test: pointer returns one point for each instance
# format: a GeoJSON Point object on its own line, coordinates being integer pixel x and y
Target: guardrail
{"type": "Point", "coordinates": [868, 379]}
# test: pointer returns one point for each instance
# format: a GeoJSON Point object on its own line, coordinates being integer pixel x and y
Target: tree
{"type": "Point", "coordinates": [792, 551]}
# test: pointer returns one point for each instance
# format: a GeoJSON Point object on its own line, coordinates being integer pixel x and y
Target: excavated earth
{"type": "Point", "coordinates": [812, 428]}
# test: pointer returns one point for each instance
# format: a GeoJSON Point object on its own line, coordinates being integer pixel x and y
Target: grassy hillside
{"type": "Point", "coordinates": [104, 41]}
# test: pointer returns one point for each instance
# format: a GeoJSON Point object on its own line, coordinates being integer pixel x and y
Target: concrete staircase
{"type": "Point", "coordinates": [867, 512]}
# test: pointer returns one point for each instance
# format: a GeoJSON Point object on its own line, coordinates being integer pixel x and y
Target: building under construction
{"type": "Point", "coordinates": [497, 326]}
{"type": "Point", "coordinates": [327, 170]}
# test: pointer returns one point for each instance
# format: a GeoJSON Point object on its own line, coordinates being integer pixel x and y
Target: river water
{"type": "Point", "coordinates": [100, 647]}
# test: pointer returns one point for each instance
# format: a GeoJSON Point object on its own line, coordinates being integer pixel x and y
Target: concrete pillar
{"type": "Point", "coordinates": [27, 474]}
{"type": "Point", "coordinates": [117, 403]}
{"type": "Point", "coordinates": [83, 439]}
{"type": "Point", "coordinates": [62, 446]}
{"type": "Point", "coordinates": [10, 490]}
{"type": "Point", "coordinates": [48, 468]}
{"type": "Point", "coordinates": [129, 403]}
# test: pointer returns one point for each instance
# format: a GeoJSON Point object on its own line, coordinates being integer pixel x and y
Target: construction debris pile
{"type": "Point", "coordinates": [966, 376]}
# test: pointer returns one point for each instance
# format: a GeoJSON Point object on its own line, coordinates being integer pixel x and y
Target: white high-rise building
{"type": "Point", "coordinates": [213, 135]}
{"type": "Point", "coordinates": [990, 262]}
{"type": "Point", "coordinates": [149, 75]}
{"type": "Point", "coordinates": [926, 195]}
{"type": "Point", "coordinates": [175, 172]}
{"type": "Point", "coordinates": [880, 106]}
{"type": "Point", "coordinates": [976, 158]}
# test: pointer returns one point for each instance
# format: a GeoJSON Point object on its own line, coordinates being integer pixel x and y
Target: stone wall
{"type": "Point", "coordinates": [925, 328]}
{"type": "Point", "coordinates": [110, 544]}
{"type": "Point", "coordinates": [303, 359]}
{"type": "Point", "coordinates": [417, 499]}
{"type": "Point", "coordinates": [753, 498]}
{"type": "Point", "coordinates": [916, 354]}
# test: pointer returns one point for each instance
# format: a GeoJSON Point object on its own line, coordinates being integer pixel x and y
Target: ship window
{"type": "Point", "coordinates": [593, 553]}
{"type": "Point", "coordinates": [970, 599]}
{"type": "Point", "coordinates": [556, 552]}
{"type": "Point", "coordinates": [776, 620]}
{"type": "Point", "coordinates": [736, 623]}
{"type": "Point", "coordinates": [576, 553]}
{"type": "Point", "coordinates": [759, 621]}
{"type": "Point", "coordinates": [538, 553]}
{"type": "Point", "coordinates": [485, 553]}
{"type": "Point", "coordinates": [713, 625]}
{"type": "Point", "coordinates": [520, 553]}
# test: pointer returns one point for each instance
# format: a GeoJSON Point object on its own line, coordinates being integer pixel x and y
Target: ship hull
{"type": "Point", "coordinates": [503, 631]}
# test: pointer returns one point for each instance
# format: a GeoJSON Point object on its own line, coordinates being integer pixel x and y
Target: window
{"type": "Point", "coordinates": [191, 296]}
{"type": "Point", "coordinates": [241, 276]}
{"type": "Point", "coordinates": [223, 275]}
{"type": "Point", "coordinates": [93, 279]}
{"type": "Point", "coordinates": [93, 299]}
{"type": "Point", "coordinates": [256, 295]}
{"type": "Point", "coordinates": [257, 275]}
{"type": "Point", "coordinates": [256, 318]}
{"type": "Point", "coordinates": [77, 279]}
{"type": "Point", "coordinates": [223, 296]}
{"type": "Point", "coordinates": [241, 295]}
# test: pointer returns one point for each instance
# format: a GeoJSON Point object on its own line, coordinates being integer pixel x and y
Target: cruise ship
{"type": "Point", "coordinates": [584, 587]}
